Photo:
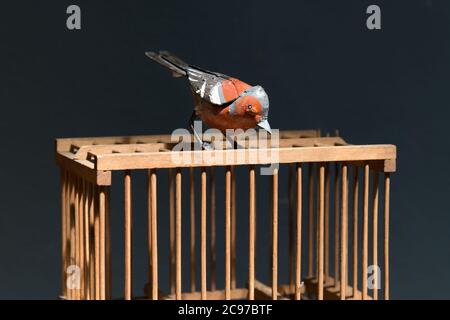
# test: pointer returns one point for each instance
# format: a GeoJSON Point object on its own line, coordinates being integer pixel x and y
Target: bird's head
{"type": "Point", "coordinates": [253, 103]}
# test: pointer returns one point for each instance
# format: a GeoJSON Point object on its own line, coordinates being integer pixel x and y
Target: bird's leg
{"type": "Point", "coordinates": [192, 127]}
{"type": "Point", "coordinates": [205, 145]}
{"type": "Point", "coordinates": [236, 145]}
{"type": "Point", "coordinates": [233, 142]}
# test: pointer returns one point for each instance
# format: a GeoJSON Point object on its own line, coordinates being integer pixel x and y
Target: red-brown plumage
{"type": "Point", "coordinates": [220, 118]}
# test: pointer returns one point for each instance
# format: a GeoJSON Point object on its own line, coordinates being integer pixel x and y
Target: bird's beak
{"type": "Point", "coordinates": [265, 125]}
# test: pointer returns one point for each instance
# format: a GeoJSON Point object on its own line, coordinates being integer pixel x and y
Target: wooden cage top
{"type": "Point", "coordinates": [95, 158]}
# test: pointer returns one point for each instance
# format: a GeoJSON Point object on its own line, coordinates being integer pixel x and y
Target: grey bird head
{"type": "Point", "coordinates": [259, 93]}
{"type": "Point", "coordinates": [257, 102]}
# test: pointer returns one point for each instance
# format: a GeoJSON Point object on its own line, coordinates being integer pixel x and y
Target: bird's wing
{"type": "Point", "coordinates": [213, 87]}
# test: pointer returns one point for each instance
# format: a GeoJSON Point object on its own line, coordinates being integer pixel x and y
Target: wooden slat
{"type": "Point", "coordinates": [192, 229]}
{"type": "Point", "coordinates": [77, 294]}
{"type": "Point", "coordinates": [128, 234]}
{"type": "Point", "coordinates": [336, 224]}
{"type": "Point", "coordinates": [154, 233]}
{"type": "Point", "coordinates": [81, 236]}
{"type": "Point", "coordinates": [69, 228]}
{"type": "Point", "coordinates": [63, 232]}
{"type": "Point", "coordinates": [321, 240]}
{"type": "Point", "coordinates": [251, 242]}
{"type": "Point", "coordinates": [233, 228]}
{"type": "Point", "coordinates": [365, 244]}
{"type": "Point", "coordinates": [228, 233]}
{"type": "Point", "coordinates": [151, 242]}
{"type": "Point", "coordinates": [74, 205]}
{"type": "Point", "coordinates": [344, 232]}
{"type": "Point", "coordinates": [97, 242]}
{"type": "Point", "coordinates": [178, 283]}
{"type": "Point", "coordinates": [298, 269]}
{"type": "Point", "coordinates": [291, 224]}
{"type": "Point", "coordinates": [108, 267]}
{"type": "Point", "coordinates": [270, 231]}
{"type": "Point", "coordinates": [171, 182]}
{"type": "Point", "coordinates": [275, 234]}
{"type": "Point", "coordinates": [87, 244]}
{"type": "Point", "coordinates": [123, 161]}
{"type": "Point", "coordinates": [149, 235]}
{"type": "Point", "coordinates": [375, 236]}
{"type": "Point", "coordinates": [317, 223]}
{"type": "Point", "coordinates": [66, 226]}
{"type": "Point", "coordinates": [92, 236]}
{"type": "Point", "coordinates": [327, 223]}
{"type": "Point", "coordinates": [74, 230]}
{"type": "Point", "coordinates": [87, 240]}
{"type": "Point", "coordinates": [387, 186]}
{"type": "Point", "coordinates": [310, 219]}
{"type": "Point", "coordinates": [212, 230]}
{"type": "Point", "coordinates": [203, 235]}
{"type": "Point", "coordinates": [103, 276]}
{"type": "Point", "coordinates": [355, 229]}
{"type": "Point", "coordinates": [83, 240]}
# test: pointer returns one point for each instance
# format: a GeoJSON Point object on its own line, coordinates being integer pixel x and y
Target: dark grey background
{"type": "Point", "coordinates": [320, 65]}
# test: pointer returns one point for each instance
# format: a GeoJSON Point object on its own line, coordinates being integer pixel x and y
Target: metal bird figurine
{"type": "Point", "coordinates": [222, 102]}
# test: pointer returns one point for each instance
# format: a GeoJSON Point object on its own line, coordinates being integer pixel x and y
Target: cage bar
{"type": "Point", "coordinates": [153, 232]}
{"type": "Point", "coordinates": [192, 229]}
{"type": "Point", "coordinates": [375, 236]}
{"type": "Point", "coordinates": [344, 231]}
{"type": "Point", "coordinates": [298, 236]}
{"type": "Point", "coordinates": [171, 181]}
{"type": "Point", "coordinates": [355, 230]}
{"type": "Point", "coordinates": [228, 233]}
{"type": "Point", "coordinates": [310, 220]}
{"type": "Point", "coordinates": [365, 248]}
{"type": "Point", "coordinates": [203, 234]}
{"type": "Point", "coordinates": [275, 234]}
{"type": "Point", "coordinates": [387, 184]}
{"type": "Point", "coordinates": [127, 232]}
{"type": "Point", "coordinates": [336, 225]}
{"type": "Point", "coordinates": [251, 235]}
{"type": "Point", "coordinates": [321, 232]}
{"type": "Point", "coordinates": [212, 229]}
{"type": "Point", "coordinates": [326, 261]}
{"type": "Point", "coordinates": [233, 229]}
{"type": "Point", "coordinates": [178, 234]}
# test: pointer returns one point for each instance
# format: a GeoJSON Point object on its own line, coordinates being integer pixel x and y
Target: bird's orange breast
{"type": "Point", "coordinates": [220, 118]}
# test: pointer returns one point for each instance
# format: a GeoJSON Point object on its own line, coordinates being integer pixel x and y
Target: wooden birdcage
{"type": "Point", "coordinates": [334, 190]}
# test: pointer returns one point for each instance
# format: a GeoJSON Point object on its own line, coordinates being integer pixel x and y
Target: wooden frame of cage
{"type": "Point", "coordinates": [86, 165]}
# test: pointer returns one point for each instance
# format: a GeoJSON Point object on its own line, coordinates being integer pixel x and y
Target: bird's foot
{"type": "Point", "coordinates": [207, 146]}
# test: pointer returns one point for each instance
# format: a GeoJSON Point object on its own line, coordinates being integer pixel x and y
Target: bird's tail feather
{"type": "Point", "coordinates": [170, 61]}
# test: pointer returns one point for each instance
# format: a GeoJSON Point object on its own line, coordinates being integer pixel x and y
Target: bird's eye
{"type": "Point", "coordinates": [249, 107]}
